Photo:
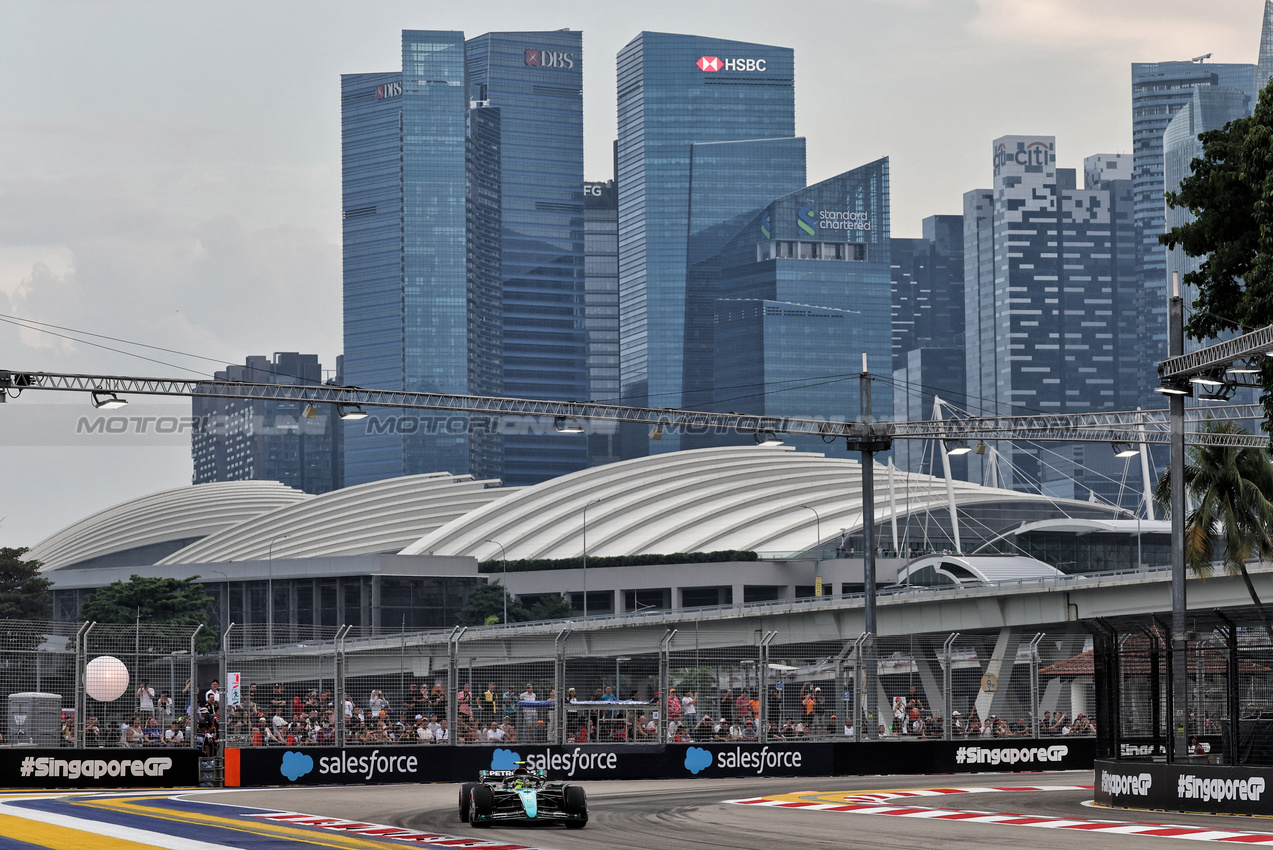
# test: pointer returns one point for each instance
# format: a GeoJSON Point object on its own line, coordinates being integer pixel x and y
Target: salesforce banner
{"type": "Point", "coordinates": [774, 759]}
{"type": "Point", "coordinates": [1213, 789]}
{"type": "Point", "coordinates": [58, 768]}
{"type": "Point", "coordinates": [262, 766]}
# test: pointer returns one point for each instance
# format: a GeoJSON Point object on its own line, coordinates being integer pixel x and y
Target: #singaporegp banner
{"type": "Point", "coordinates": [266, 766]}
{"type": "Point", "coordinates": [1185, 787]}
{"type": "Point", "coordinates": [58, 768]}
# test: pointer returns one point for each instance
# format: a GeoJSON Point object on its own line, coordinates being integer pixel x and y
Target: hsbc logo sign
{"type": "Point", "coordinates": [712, 64]}
{"type": "Point", "coordinates": [536, 58]}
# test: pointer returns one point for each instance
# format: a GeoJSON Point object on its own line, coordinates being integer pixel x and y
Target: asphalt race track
{"type": "Point", "coordinates": [686, 814]}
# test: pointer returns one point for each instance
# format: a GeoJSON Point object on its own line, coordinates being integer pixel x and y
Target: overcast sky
{"type": "Point", "coordinates": [170, 172]}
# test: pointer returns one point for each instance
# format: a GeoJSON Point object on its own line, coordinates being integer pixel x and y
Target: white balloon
{"type": "Point", "coordinates": [106, 678]}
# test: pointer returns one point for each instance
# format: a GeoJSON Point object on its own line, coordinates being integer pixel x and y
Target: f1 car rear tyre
{"type": "Point", "coordinates": [466, 791]}
{"type": "Point", "coordinates": [481, 804]}
{"type": "Point", "coordinates": [575, 803]}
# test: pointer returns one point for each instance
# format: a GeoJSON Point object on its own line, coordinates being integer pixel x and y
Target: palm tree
{"type": "Point", "coordinates": [1232, 492]}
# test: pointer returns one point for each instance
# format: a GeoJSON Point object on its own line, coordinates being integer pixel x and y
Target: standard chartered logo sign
{"type": "Point", "coordinates": [811, 221]}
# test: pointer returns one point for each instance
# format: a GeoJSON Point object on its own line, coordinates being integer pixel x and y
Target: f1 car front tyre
{"type": "Point", "coordinates": [576, 805]}
{"type": "Point", "coordinates": [481, 804]}
{"type": "Point", "coordinates": [466, 791]}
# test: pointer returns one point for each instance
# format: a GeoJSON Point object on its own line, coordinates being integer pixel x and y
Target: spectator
{"type": "Point", "coordinates": [152, 735]}
{"type": "Point", "coordinates": [773, 705]}
{"type": "Point", "coordinates": [508, 705]}
{"type": "Point", "coordinates": [164, 705]}
{"type": "Point", "coordinates": [742, 708]}
{"type": "Point", "coordinates": [735, 731]}
{"type": "Point", "coordinates": [848, 727]}
{"type": "Point", "coordinates": [749, 731]}
{"type": "Point", "coordinates": [721, 729]}
{"type": "Point", "coordinates": [957, 728]}
{"type": "Point", "coordinates": [173, 736]}
{"type": "Point", "coordinates": [787, 730]}
{"type": "Point", "coordinates": [819, 706]}
{"type": "Point", "coordinates": [608, 696]}
{"type": "Point", "coordinates": [437, 701]}
{"type": "Point", "coordinates": [673, 705]}
{"type": "Point", "coordinates": [213, 695]}
{"type": "Point", "coordinates": [689, 707]}
{"type": "Point", "coordinates": [703, 730]}
{"type": "Point", "coordinates": [278, 701]}
{"type": "Point", "coordinates": [443, 734]}
{"type": "Point", "coordinates": [529, 714]}
{"type": "Point", "coordinates": [298, 706]}
{"type": "Point", "coordinates": [883, 731]}
{"type": "Point", "coordinates": [146, 698]}
{"type": "Point", "coordinates": [488, 702]}
{"type": "Point", "coordinates": [464, 707]}
{"type": "Point", "coordinates": [377, 703]}
{"type": "Point", "coordinates": [131, 734]}
{"type": "Point", "coordinates": [92, 732]}
{"type": "Point", "coordinates": [727, 705]}
{"type": "Point", "coordinates": [411, 702]}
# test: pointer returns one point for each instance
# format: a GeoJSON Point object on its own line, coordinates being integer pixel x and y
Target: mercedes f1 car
{"type": "Point", "coordinates": [522, 796]}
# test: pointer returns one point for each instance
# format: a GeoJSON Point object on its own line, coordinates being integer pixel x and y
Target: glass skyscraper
{"type": "Point", "coordinates": [405, 271]}
{"type": "Point", "coordinates": [1159, 91]}
{"type": "Point", "coordinates": [803, 293]}
{"type": "Point", "coordinates": [1050, 294]}
{"type": "Point", "coordinates": [463, 249]}
{"type": "Point", "coordinates": [535, 80]}
{"type": "Point", "coordinates": [706, 140]}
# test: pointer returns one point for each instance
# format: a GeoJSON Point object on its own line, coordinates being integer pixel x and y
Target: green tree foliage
{"type": "Point", "coordinates": [1232, 493]}
{"type": "Point", "coordinates": [486, 607]}
{"type": "Point", "coordinates": [1230, 194]}
{"type": "Point", "coordinates": [24, 593]}
{"type": "Point", "coordinates": [552, 608]}
{"type": "Point", "coordinates": [178, 602]}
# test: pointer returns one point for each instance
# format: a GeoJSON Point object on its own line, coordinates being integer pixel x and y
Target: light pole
{"type": "Point", "coordinates": [818, 526]}
{"type": "Point", "coordinates": [269, 587]}
{"type": "Point", "coordinates": [225, 609]}
{"type": "Point", "coordinates": [585, 557]}
{"type": "Point", "coordinates": [504, 560]}
{"type": "Point", "coordinates": [618, 694]}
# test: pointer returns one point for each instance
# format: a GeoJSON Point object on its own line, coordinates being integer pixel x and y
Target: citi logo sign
{"type": "Point", "coordinates": [536, 58]}
{"type": "Point", "coordinates": [388, 90]}
{"type": "Point", "coordinates": [712, 64]}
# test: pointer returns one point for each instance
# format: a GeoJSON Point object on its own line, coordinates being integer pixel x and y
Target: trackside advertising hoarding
{"type": "Point", "coordinates": [1209, 788]}
{"type": "Point", "coordinates": [264, 766]}
{"type": "Point", "coordinates": [58, 768]}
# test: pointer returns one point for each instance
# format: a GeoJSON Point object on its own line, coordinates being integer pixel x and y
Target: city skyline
{"type": "Point", "coordinates": [173, 178]}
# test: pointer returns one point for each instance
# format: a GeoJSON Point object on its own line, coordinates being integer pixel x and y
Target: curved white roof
{"type": "Point", "coordinates": [378, 517]}
{"type": "Point", "coordinates": [163, 517]}
{"type": "Point", "coordinates": [1077, 525]}
{"type": "Point", "coordinates": [760, 498]}
{"type": "Point", "coordinates": [986, 568]}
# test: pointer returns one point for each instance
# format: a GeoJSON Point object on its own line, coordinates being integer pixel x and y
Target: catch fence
{"type": "Point", "coordinates": [543, 683]}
